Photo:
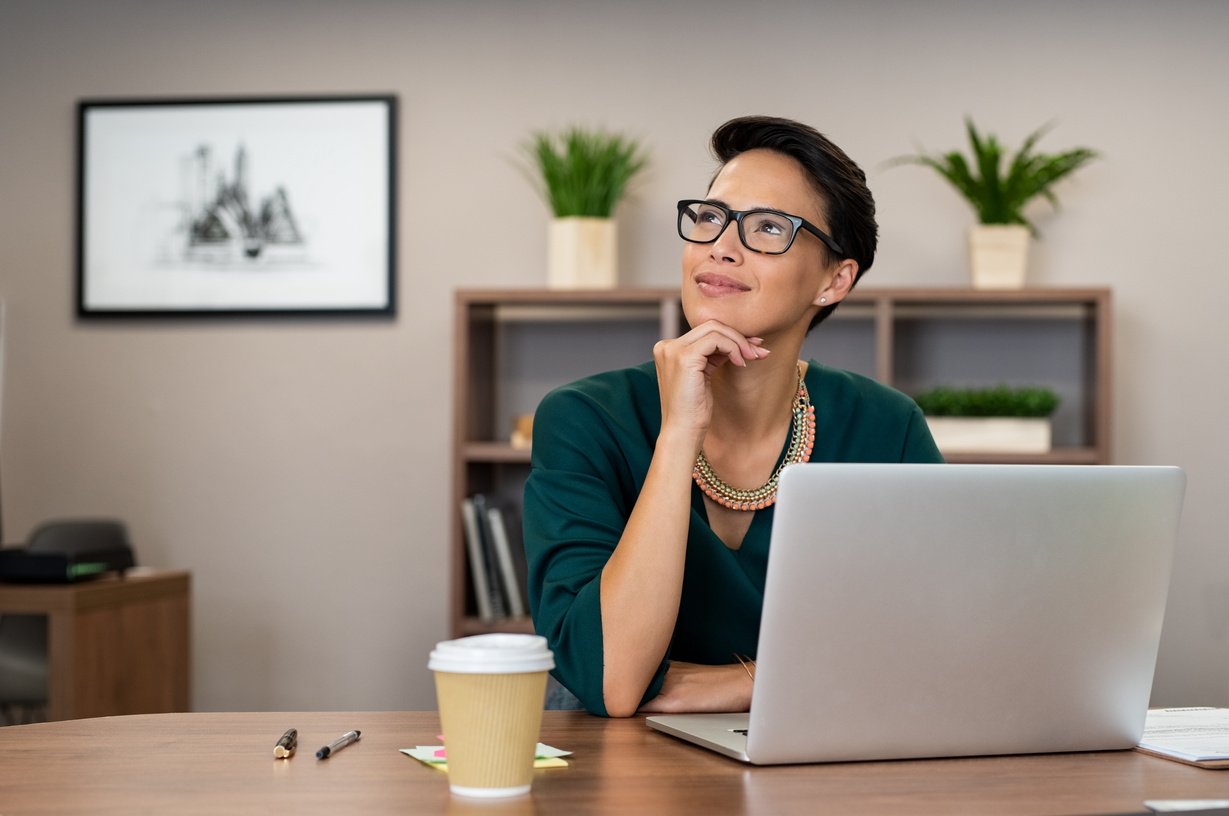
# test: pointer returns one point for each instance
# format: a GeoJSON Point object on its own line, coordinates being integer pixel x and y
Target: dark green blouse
{"type": "Point", "coordinates": [592, 442]}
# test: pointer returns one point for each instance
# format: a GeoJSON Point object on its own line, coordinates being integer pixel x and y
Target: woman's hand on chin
{"type": "Point", "coordinates": [691, 687]}
{"type": "Point", "coordinates": [684, 365]}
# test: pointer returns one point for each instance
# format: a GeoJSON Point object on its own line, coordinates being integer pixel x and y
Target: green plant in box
{"type": "Point", "coordinates": [584, 172]}
{"type": "Point", "coordinates": [997, 401]}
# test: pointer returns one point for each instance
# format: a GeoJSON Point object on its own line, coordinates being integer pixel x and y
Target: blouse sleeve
{"type": "Point", "coordinates": [578, 497]}
{"type": "Point", "coordinates": [920, 447]}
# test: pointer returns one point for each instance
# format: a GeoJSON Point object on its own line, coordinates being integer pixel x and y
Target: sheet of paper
{"type": "Point", "coordinates": [1191, 733]}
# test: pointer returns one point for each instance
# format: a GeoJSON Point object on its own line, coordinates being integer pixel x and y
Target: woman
{"type": "Point", "coordinates": [646, 560]}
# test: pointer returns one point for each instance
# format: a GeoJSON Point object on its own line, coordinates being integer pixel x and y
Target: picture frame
{"type": "Point", "coordinates": [236, 206]}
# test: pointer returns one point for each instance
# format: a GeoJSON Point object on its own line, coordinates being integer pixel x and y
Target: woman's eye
{"type": "Point", "coordinates": [709, 217]}
{"type": "Point", "coordinates": [769, 227]}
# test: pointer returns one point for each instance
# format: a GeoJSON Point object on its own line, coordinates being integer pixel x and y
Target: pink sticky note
{"type": "Point", "coordinates": [440, 752]}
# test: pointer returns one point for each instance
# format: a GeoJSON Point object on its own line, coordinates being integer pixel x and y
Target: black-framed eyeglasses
{"type": "Point", "coordinates": [768, 231]}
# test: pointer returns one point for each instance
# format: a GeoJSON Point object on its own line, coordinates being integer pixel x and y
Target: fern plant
{"type": "Point", "coordinates": [998, 193]}
{"type": "Point", "coordinates": [584, 172]}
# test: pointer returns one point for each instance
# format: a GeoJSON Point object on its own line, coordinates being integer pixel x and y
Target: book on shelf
{"type": "Point", "coordinates": [510, 553]}
{"type": "Point", "coordinates": [496, 557]}
{"type": "Point", "coordinates": [478, 572]}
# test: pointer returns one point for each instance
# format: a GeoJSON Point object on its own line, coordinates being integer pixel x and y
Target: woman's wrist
{"type": "Point", "coordinates": [681, 443]}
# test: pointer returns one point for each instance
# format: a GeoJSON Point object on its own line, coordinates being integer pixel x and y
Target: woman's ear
{"type": "Point", "coordinates": [839, 284]}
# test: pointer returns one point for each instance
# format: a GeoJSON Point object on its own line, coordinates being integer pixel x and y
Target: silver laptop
{"type": "Point", "coordinates": [955, 610]}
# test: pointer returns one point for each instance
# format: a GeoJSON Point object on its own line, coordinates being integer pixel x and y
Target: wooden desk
{"type": "Point", "coordinates": [223, 763]}
{"type": "Point", "coordinates": [115, 645]}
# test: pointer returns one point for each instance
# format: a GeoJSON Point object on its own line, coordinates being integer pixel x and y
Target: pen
{"type": "Point", "coordinates": [286, 745]}
{"type": "Point", "coordinates": [337, 744]}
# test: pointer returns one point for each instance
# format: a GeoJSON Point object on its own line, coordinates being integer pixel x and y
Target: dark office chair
{"type": "Point", "coordinates": [23, 638]}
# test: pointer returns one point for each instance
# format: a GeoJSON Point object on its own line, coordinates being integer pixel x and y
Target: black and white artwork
{"type": "Point", "coordinates": [236, 206]}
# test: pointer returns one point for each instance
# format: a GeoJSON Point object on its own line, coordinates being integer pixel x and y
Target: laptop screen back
{"type": "Point", "coordinates": [951, 610]}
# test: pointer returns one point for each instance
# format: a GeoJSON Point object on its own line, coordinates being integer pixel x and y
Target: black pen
{"type": "Point", "coordinates": [286, 745]}
{"type": "Point", "coordinates": [337, 744]}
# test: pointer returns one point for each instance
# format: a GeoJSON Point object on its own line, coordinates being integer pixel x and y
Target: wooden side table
{"type": "Point", "coordinates": [115, 645]}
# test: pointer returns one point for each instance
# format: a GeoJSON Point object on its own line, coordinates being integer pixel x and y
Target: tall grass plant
{"type": "Point", "coordinates": [583, 172]}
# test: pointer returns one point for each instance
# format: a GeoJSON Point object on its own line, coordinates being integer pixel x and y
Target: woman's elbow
{"type": "Point", "coordinates": [621, 702]}
{"type": "Point", "coordinates": [621, 708]}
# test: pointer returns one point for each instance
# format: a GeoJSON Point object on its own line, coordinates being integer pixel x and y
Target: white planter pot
{"type": "Point", "coordinates": [582, 253]}
{"type": "Point", "coordinates": [990, 434]}
{"type": "Point", "coordinates": [998, 255]}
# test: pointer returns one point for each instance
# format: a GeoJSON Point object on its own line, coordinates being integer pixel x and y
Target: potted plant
{"type": "Point", "coordinates": [1000, 419]}
{"type": "Point", "coordinates": [998, 190]}
{"type": "Point", "coordinates": [583, 174]}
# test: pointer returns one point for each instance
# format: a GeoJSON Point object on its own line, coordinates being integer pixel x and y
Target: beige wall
{"type": "Point", "coordinates": [300, 469]}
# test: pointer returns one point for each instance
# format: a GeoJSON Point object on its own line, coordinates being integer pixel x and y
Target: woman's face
{"type": "Point", "coordinates": [753, 293]}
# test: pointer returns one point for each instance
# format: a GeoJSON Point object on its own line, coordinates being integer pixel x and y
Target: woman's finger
{"type": "Point", "coordinates": [713, 337]}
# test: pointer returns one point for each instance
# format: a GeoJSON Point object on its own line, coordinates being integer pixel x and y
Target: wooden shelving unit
{"type": "Point", "coordinates": [512, 346]}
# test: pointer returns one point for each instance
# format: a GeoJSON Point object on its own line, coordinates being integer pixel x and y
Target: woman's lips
{"type": "Point", "coordinates": [714, 284]}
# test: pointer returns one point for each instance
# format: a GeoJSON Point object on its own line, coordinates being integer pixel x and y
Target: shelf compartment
{"type": "Point", "coordinates": [513, 346]}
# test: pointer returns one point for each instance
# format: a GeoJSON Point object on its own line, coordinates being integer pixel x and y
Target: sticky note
{"type": "Point", "coordinates": [435, 756]}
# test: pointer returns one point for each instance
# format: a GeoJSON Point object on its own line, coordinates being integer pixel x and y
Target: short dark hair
{"type": "Point", "coordinates": [849, 207]}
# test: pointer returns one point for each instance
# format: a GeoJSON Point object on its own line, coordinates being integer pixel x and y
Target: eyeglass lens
{"type": "Point", "coordinates": [761, 230]}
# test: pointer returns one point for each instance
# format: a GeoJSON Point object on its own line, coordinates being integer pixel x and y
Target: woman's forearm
{"type": "Point", "coordinates": [690, 687]}
{"type": "Point", "coordinates": [642, 582]}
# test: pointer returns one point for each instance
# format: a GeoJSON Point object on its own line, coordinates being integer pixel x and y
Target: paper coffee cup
{"type": "Point", "coordinates": [491, 690]}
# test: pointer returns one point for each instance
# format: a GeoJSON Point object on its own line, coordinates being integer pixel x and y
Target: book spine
{"type": "Point", "coordinates": [477, 566]}
{"type": "Point", "coordinates": [499, 606]}
{"type": "Point", "coordinates": [503, 553]}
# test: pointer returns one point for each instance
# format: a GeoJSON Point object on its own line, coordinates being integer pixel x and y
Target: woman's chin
{"type": "Point", "coordinates": [698, 310]}
{"type": "Point", "coordinates": [697, 317]}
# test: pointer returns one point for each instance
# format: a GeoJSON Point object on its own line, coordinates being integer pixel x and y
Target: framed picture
{"type": "Point", "coordinates": [244, 206]}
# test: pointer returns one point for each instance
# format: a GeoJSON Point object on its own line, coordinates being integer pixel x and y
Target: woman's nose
{"type": "Point", "coordinates": [728, 246]}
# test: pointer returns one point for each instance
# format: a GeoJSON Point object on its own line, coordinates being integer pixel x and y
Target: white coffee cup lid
{"type": "Point", "coordinates": [492, 654]}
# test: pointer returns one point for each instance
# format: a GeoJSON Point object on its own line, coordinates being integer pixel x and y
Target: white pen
{"type": "Point", "coordinates": [337, 744]}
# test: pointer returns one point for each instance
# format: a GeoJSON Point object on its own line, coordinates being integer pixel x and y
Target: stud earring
{"type": "Point", "coordinates": [823, 300]}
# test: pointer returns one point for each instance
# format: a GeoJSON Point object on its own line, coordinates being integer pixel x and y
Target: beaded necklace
{"type": "Point", "coordinates": [801, 443]}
